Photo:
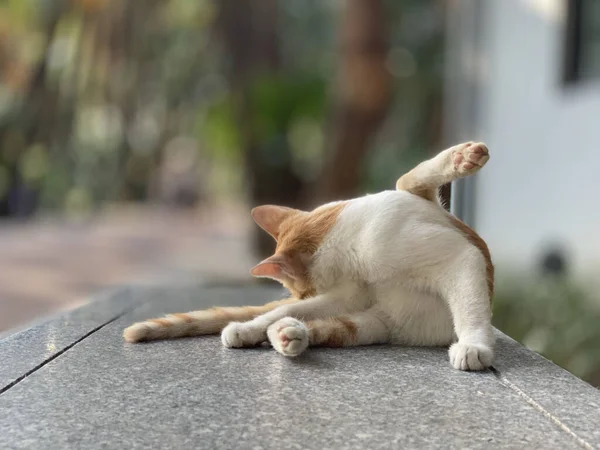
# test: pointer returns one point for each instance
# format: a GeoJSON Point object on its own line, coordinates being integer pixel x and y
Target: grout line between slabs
{"type": "Point", "coordinates": [529, 400]}
{"type": "Point", "coordinates": [64, 350]}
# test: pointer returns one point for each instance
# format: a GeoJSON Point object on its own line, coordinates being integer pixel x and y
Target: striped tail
{"type": "Point", "coordinates": [196, 323]}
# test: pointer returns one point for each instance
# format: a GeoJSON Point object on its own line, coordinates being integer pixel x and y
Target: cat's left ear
{"type": "Point", "coordinates": [279, 267]}
{"type": "Point", "coordinates": [270, 217]}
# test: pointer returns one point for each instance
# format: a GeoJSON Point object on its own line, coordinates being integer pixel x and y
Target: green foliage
{"type": "Point", "coordinates": [277, 100]}
{"type": "Point", "coordinates": [555, 317]}
{"type": "Point", "coordinates": [119, 81]}
{"type": "Point", "coordinates": [217, 127]}
{"type": "Point", "coordinates": [283, 107]}
{"type": "Point", "coordinates": [415, 60]}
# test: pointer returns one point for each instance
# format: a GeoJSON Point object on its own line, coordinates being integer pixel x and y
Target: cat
{"type": "Point", "coordinates": [386, 268]}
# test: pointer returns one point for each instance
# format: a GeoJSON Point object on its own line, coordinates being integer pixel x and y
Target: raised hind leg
{"type": "Point", "coordinates": [451, 164]}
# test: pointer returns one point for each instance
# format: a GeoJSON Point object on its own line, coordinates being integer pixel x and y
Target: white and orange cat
{"type": "Point", "coordinates": [392, 267]}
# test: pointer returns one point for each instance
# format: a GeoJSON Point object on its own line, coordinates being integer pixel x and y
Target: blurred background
{"type": "Point", "coordinates": [136, 135]}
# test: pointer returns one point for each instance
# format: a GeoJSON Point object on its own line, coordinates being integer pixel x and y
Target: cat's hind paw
{"type": "Point", "coordinates": [469, 157]}
{"type": "Point", "coordinates": [470, 356]}
{"type": "Point", "coordinates": [288, 336]}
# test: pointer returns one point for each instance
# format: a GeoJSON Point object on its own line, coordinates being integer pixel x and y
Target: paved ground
{"type": "Point", "coordinates": [49, 266]}
{"type": "Point", "coordinates": [74, 383]}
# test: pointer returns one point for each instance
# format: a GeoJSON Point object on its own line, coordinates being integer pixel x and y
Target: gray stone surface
{"type": "Point", "coordinates": [23, 352]}
{"type": "Point", "coordinates": [567, 399]}
{"type": "Point", "coordinates": [193, 393]}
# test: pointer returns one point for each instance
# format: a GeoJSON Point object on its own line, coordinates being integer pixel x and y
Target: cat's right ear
{"type": "Point", "coordinates": [270, 217]}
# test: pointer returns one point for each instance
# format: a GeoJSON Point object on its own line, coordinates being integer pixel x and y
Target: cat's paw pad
{"type": "Point", "coordinates": [469, 157]}
{"type": "Point", "coordinates": [238, 334]}
{"type": "Point", "coordinates": [288, 336]}
{"type": "Point", "coordinates": [470, 356]}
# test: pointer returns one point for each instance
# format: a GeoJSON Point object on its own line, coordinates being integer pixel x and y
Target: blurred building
{"type": "Point", "coordinates": [524, 76]}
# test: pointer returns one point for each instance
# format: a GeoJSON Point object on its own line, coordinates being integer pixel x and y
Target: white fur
{"type": "Point", "coordinates": [392, 269]}
{"type": "Point", "coordinates": [397, 267]}
{"type": "Point", "coordinates": [426, 279]}
{"type": "Point", "coordinates": [394, 260]}
{"type": "Point", "coordinates": [288, 336]}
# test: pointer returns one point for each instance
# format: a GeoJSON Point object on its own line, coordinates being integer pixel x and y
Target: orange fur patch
{"type": "Point", "coordinates": [334, 332]}
{"type": "Point", "coordinates": [272, 305]}
{"type": "Point", "coordinates": [302, 234]}
{"type": "Point", "coordinates": [243, 313]}
{"type": "Point", "coordinates": [183, 317]}
{"type": "Point", "coordinates": [478, 242]}
{"type": "Point", "coordinates": [197, 323]}
{"type": "Point", "coordinates": [349, 326]}
{"type": "Point", "coordinates": [222, 315]}
{"type": "Point", "coordinates": [162, 322]}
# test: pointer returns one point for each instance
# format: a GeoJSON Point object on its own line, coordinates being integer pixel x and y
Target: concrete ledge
{"type": "Point", "coordinates": [74, 383]}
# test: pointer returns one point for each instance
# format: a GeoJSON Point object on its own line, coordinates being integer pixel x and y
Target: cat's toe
{"type": "Point", "coordinates": [470, 356]}
{"type": "Point", "coordinates": [237, 334]}
{"type": "Point", "coordinates": [288, 336]}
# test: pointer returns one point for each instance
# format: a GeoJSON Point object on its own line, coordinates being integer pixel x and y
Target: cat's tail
{"type": "Point", "coordinates": [180, 325]}
{"type": "Point", "coordinates": [195, 323]}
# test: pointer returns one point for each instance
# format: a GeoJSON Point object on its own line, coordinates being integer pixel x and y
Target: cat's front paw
{"type": "Point", "coordinates": [288, 336]}
{"type": "Point", "coordinates": [470, 356]}
{"type": "Point", "coordinates": [242, 334]}
{"type": "Point", "coordinates": [469, 157]}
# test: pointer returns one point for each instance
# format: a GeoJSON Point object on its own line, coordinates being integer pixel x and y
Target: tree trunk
{"type": "Point", "coordinates": [249, 32]}
{"type": "Point", "coordinates": [361, 100]}
{"type": "Point", "coordinates": [37, 121]}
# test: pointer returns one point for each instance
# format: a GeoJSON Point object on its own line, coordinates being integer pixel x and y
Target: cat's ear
{"type": "Point", "coordinates": [268, 269]}
{"type": "Point", "coordinates": [270, 217]}
{"type": "Point", "coordinates": [279, 267]}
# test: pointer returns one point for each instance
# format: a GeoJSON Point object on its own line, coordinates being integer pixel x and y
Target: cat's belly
{"type": "Point", "coordinates": [416, 318]}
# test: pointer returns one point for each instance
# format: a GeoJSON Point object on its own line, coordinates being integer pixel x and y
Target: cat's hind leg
{"type": "Point", "coordinates": [290, 336]}
{"type": "Point", "coordinates": [456, 162]}
{"type": "Point", "coordinates": [467, 293]}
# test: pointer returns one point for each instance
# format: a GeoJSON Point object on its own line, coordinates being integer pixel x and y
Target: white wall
{"type": "Point", "coordinates": [543, 179]}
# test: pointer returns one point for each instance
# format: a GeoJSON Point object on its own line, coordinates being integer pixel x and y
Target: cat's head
{"type": "Point", "coordinates": [299, 235]}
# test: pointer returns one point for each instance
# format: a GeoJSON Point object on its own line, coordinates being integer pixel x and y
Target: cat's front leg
{"type": "Point", "coordinates": [242, 334]}
{"type": "Point", "coordinates": [288, 336]}
{"type": "Point", "coordinates": [291, 337]}
{"type": "Point", "coordinates": [254, 332]}
{"type": "Point", "coordinates": [343, 300]}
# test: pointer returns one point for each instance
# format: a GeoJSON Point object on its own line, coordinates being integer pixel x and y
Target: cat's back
{"type": "Point", "coordinates": [376, 235]}
{"type": "Point", "coordinates": [375, 213]}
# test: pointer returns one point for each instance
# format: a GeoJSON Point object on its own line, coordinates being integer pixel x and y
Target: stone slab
{"type": "Point", "coordinates": [195, 394]}
{"type": "Point", "coordinates": [22, 352]}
